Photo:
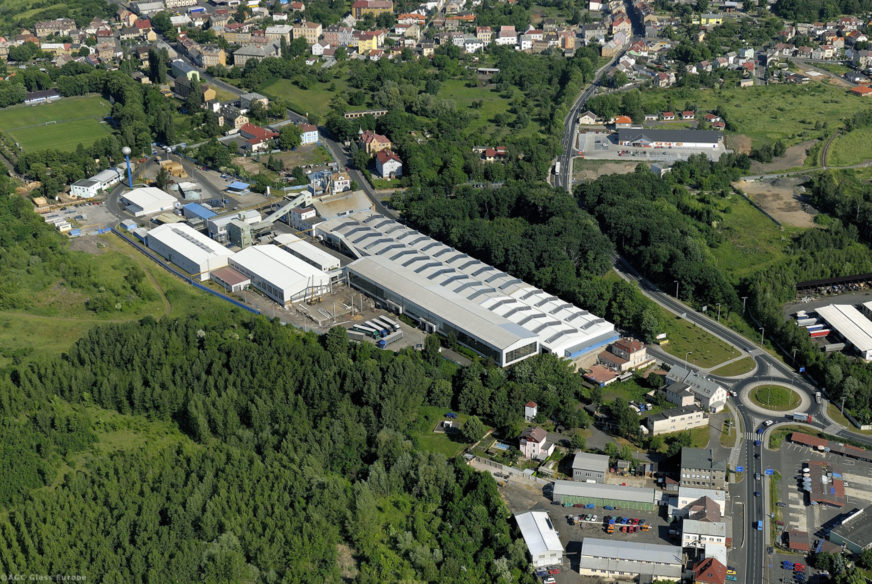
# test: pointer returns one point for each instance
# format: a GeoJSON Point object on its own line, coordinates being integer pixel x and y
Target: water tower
{"type": "Point", "coordinates": [126, 152]}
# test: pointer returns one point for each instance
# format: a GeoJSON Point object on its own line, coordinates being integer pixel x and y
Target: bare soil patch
{"type": "Point", "coordinates": [347, 564]}
{"type": "Point", "coordinates": [780, 198]}
{"type": "Point", "coordinates": [794, 157]}
{"type": "Point", "coordinates": [88, 244]}
{"type": "Point", "coordinates": [738, 143]}
{"type": "Point", "coordinates": [591, 170]}
{"type": "Point", "coordinates": [249, 164]}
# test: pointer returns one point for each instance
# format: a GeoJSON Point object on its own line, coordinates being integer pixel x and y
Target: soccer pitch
{"type": "Point", "coordinates": [76, 120]}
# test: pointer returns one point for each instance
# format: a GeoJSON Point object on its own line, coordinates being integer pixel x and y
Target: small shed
{"type": "Point", "coordinates": [530, 411]}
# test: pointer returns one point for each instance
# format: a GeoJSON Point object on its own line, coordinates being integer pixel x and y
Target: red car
{"type": "Point", "coordinates": [553, 571]}
{"type": "Point", "coordinates": [798, 568]}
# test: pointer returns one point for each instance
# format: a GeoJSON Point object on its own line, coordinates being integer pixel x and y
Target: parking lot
{"type": "Point", "coordinates": [603, 146]}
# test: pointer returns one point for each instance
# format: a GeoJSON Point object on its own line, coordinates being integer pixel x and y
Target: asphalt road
{"type": "Point", "coordinates": [752, 559]}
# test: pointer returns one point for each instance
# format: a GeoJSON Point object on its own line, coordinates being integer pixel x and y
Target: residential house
{"type": "Point", "coordinates": [179, 68]}
{"type": "Point", "coordinates": [60, 27]}
{"type": "Point", "coordinates": [374, 7]}
{"type": "Point", "coordinates": [257, 138]}
{"type": "Point", "coordinates": [183, 89]}
{"type": "Point", "coordinates": [297, 6]}
{"type": "Point", "coordinates": [232, 117]}
{"type": "Point", "coordinates": [507, 36]}
{"type": "Point", "coordinates": [711, 396]}
{"type": "Point", "coordinates": [855, 77]}
{"type": "Point", "coordinates": [211, 56]}
{"type": "Point", "coordinates": [708, 19]}
{"type": "Point", "coordinates": [591, 32]}
{"type": "Point", "coordinates": [531, 409]}
{"type": "Point", "coordinates": [341, 182]}
{"type": "Point", "coordinates": [319, 48]}
{"type": "Point", "coordinates": [246, 100]}
{"type": "Point", "coordinates": [688, 115]}
{"type": "Point", "coordinates": [667, 116]}
{"type": "Point", "coordinates": [124, 16]}
{"type": "Point", "coordinates": [622, 24]}
{"type": "Point", "coordinates": [534, 444]}
{"type": "Point", "coordinates": [700, 469]}
{"type": "Point", "coordinates": [246, 53]}
{"type": "Point", "coordinates": [388, 164]}
{"type": "Point", "coordinates": [372, 142]}
{"type": "Point", "coordinates": [484, 34]}
{"type": "Point", "coordinates": [861, 91]}
{"type": "Point", "coordinates": [367, 41]}
{"type": "Point", "coordinates": [587, 118]}
{"type": "Point", "coordinates": [676, 420]}
{"type": "Point", "coordinates": [709, 571]}
{"type": "Point", "coordinates": [310, 31]}
{"type": "Point", "coordinates": [336, 35]}
{"type": "Point", "coordinates": [699, 534]}
{"type": "Point", "coordinates": [277, 32]}
{"type": "Point", "coordinates": [309, 134]}
{"type": "Point", "coordinates": [610, 49]}
{"type": "Point", "coordinates": [623, 122]}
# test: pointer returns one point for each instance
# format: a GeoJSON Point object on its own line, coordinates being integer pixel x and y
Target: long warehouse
{"type": "Point", "coordinates": [851, 324]}
{"type": "Point", "coordinates": [574, 492]}
{"type": "Point", "coordinates": [279, 275]}
{"type": "Point", "coordinates": [307, 252]}
{"type": "Point", "coordinates": [188, 249]}
{"type": "Point", "coordinates": [447, 291]}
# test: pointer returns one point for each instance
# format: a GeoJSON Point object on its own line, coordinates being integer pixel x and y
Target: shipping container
{"type": "Point", "coordinates": [806, 321]}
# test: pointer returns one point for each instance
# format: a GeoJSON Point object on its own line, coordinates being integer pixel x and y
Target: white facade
{"type": "Point", "coordinates": [307, 252]}
{"type": "Point", "coordinates": [850, 323]}
{"type": "Point", "coordinates": [147, 201]}
{"type": "Point", "coordinates": [217, 226]}
{"type": "Point", "coordinates": [541, 538]}
{"type": "Point", "coordinates": [109, 177]}
{"type": "Point", "coordinates": [84, 189]}
{"type": "Point", "coordinates": [309, 134]}
{"type": "Point", "coordinates": [701, 534]}
{"type": "Point", "coordinates": [280, 275]}
{"type": "Point", "coordinates": [688, 495]}
{"type": "Point", "coordinates": [188, 249]}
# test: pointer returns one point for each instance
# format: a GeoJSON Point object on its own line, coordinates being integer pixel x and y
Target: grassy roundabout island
{"type": "Point", "coordinates": [775, 397]}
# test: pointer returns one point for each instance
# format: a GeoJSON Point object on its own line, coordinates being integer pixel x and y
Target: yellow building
{"type": "Point", "coordinates": [374, 7]}
{"type": "Point", "coordinates": [310, 31]}
{"type": "Point", "coordinates": [368, 41]}
{"type": "Point", "coordinates": [708, 19]}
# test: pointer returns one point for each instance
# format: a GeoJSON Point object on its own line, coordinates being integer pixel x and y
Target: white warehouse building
{"type": "Point", "coordinates": [851, 325]}
{"type": "Point", "coordinates": [447, 291]}
{"type": "Point", "coordinates": [541, 538]}
{"type": "Point", "coordinates": [188, 249]}
{"type": "Point", "coordinates": [147, 201]}
{"type": "Point", "coordinates": [307, 252]}
{"type": "Point", "coordinates": [280, 275]}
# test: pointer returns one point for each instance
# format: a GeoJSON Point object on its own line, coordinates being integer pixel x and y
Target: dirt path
{"type": "Point", "coordinates": [826, 149]}
{"type": "Point", "coordinates": [794, 157]}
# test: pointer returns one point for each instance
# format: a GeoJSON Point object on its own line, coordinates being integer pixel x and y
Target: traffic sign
{"type": "Point", "coordinates": [802, 369]}
{"type": "Point", "coordinates": [769, 472]}
{"type": "Point", "coordinates": [740, 469]}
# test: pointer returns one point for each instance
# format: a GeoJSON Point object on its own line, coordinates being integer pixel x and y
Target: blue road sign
{"type": "Point", "coordinates": [802, 369]}
{"type": "Point", "coordinates": [740, 469]}
{"type": "Point", "coordinates": [770, 472]}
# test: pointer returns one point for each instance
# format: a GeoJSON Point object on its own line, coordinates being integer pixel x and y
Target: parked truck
{"type": "Point", "coordinates": [381, 330]}
{"type": "Point", "coordinates": [797, 417]}
{"type": "Point", "coordinates": [392, 338]}
{"type": "Point", "coordinates": [368, 331]}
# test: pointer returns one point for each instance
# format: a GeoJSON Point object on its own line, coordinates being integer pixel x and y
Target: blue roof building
{"type": "Point", "coordinates": [195, 210]}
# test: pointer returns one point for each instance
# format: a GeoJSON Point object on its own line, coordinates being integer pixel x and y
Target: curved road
{"type": "Point", "coordinates": [752, 559]}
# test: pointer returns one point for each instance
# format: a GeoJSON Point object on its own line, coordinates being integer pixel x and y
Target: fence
{"type": "Point", "coordinates": [186, 277]}
{"type": "Point", "coordinates": [509, 470]}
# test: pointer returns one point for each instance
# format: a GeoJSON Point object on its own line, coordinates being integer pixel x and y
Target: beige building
{"type": "Point", "coordinates": [624, 355]}
{"type": "Point", "coordinates": [210, 56]}
{"type": "Point", "coordinates": [676, 420]}
{"type": "Point", "coordinates": [484, 34]}
{"type": "Point", "coordinates": [278, 32]}
{"type": "Point", "coordinates": [310, 31]}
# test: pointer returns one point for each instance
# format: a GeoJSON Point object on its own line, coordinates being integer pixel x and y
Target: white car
{"type": "Point", "coordinates": [549, 581]}
{"type": "Point", "coordinates": [769, 423]}
{"type": "Point", "coordinates": [594, 518]}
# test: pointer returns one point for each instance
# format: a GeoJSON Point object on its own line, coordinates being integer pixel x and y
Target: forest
{"type": "Point", "coordinates": [294, 461]}
{"type": "Point", "coordinates": [819, 10]}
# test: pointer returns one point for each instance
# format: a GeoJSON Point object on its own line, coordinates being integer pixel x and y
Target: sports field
{"type": "Point", "coordinates": [77, 120]}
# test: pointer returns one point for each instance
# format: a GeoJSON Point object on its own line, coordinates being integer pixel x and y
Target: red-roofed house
{"type": "Point", "coordinates": [861, 91]}
{"type": "Point", "coordinates": [688, 115]}
{"type": "Point", "coordinates": [256, 138]}
{"type": "Point", "coordinates": [710, 571]}
{"type": "Point", "coordinates": [530, 410]}
{"type": "Point", "coordinates": [372, 142]}
{"type": "Point", "coordinates": [388, 164]}
{"type": "Point", "coordinates": [623, 122]}
{"type": "Point", "coordinates": [797, 541]}
{"type": "Point", "coordinates": [667, 116]}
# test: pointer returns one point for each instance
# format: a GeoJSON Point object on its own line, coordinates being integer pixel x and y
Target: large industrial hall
{"type": "Point", "coordinates": [447, 291]}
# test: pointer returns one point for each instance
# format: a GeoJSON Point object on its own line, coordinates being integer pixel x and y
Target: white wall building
{"type": "Point", "coordinates": [613, 559]}
{"type": "Point", "coordinates": [851, 325]}
{"type": "Point", "coordinates": [307, 252]}
{"type": "Point", "coordinates": [541, 538]}
{"type": "Point", "coordinates": [700, 534]}
{"type": "Point", "coordinates": [84, 189]}
{"type": "Point", "coordinates": [689, 495]}
{"type": "Point", "coordinates": [188, 249]}
{"type": "Point", "coordinates": [147, 201]}
{"type": "Point", "coordinates": [217, 226]}
{"type": "Point", "coordinates": [280, 275]}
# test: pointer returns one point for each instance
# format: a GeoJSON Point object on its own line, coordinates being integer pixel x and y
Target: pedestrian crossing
{"type": "Point", "coordinates": [833, 429]}
{"type": "Point", "coordinates": [751, 436]}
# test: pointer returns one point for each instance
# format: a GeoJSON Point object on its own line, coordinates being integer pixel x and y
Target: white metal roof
{"type": "Point", "coordinates": [633, 551]}
{"type": "Point", "coordinates": [470, 284]}
{"type": "Point", "coordinates": [148, 198]}
{"type": "Point", "coordinates": [694, 494]}
{"type": "Point", "coordinates": [717, 551]}
{"type": "Point", "coordinates": [850, 323]}
{"type": "Point", "coordinates": [538, 532]}
{"type": "Point", "coordinates": [279, 268]}
{"type": "Point", "coordinates": [579, 489]}
{"type": "Point", "coordinates": [585, 460]}
{"type": "Point", "coordinates": [704, 527]}
{"type": "Point", "coordinates": [188, 242]}
{"type": "Point", "coordinates": [305, 249]}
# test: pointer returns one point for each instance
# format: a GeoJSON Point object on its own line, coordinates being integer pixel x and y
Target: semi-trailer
{"type": "Point", "coordinates": [393, 323]}
{"type": "Point", "coordinates": [798, 417]}
{"type": "Point", "coordinates": [819, 333]}
{"type": "Point", "coordinates": [392, 338]}
{"type": "Point", "coordinates": [806, 321]}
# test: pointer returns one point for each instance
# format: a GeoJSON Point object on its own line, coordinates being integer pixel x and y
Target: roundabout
{"type": "Point", "coordinates": [781, 396]}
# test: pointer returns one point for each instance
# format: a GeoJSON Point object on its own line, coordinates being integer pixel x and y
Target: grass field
{"type": "Point", "coordinates": [735, 368]}
{"type": "Point", "coordinates": [707, 350]}
{"type": "Point", "coordinates": [699, 438]}
{"type": "Point", "coordinates": [729, 440]}
{"type": "Point", "coordinates": [775, 397]}
{"type": "Point", "coordinates": [835, 415]}
{"type": "Point", "coordinates": [305, 101]}
{"type": "Point", "coordinates": [423, 435]}
{"type": "Point", "coordinates": [493, 104]}
{"type": "Point", "coordinates": [77, 122]}
{"type": "Point", "coordinates": [753, 241]}
{"type": "Point", "coordinates": [777, 437]}
{"type": "Point", "coordinates": [767, 113]}
{"type": "Point", "coordinates": [851, 148]}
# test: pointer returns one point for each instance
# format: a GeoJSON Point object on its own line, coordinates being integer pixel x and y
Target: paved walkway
{"type": "Point", "coordinates": [746, 399]}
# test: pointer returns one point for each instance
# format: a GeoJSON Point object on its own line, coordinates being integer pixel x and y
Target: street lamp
{"type": "Point", "coordinates": [762, 336]}
{"type": "Point", "coordinates": [676, 289]}
{"type": "Point", "coordinates": [126, 152]}
{"type": "Point", "coordinates": [744, 298]}
{"type": "Point", "coordinates": [719, 312]}
{"type": "Point", "coordinates": [685, 359]}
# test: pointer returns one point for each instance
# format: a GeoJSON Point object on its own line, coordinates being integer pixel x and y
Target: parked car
{"type": "Point", "coordinates": [549, 581]}
{"type": "Point", "coordinates": [541, 573]}
{"type": "Point", "coordinates": [553, 571]}
{"type": "Point", "coordinates": [799, 567]}
{"type": "Point", "coordinates": [787, 565]}
{"type": "Point", "coordinates": [731, 578]}
{"type": "Point", "coordinates": [780, 504]}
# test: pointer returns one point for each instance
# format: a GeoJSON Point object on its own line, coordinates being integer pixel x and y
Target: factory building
{"type": "Point", "coordinates": [188, 249]}
{"type": "Point", "coordinates": [494, 314]}
{"type": "Point", "coordinates": [147, 201]}
{"type": "Point", "coordinates": [573, 492]}
{"type": "Point", "coordinates": [612, 559]}
{"type": "Point", "coordinates": [647, 138]}
{"type": "Point", "coordinates": [541, 538]}
{"type": "Point", "coordinates": [854, 533]}
{"type": "Point", "coordinates": [850, 324]}
{"type": "Point", "coordinates": [280, 275]}
{"type": "Point", "coordinates": [307, 252]}
{"type": "Point", "coordinates": [217, 226]}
